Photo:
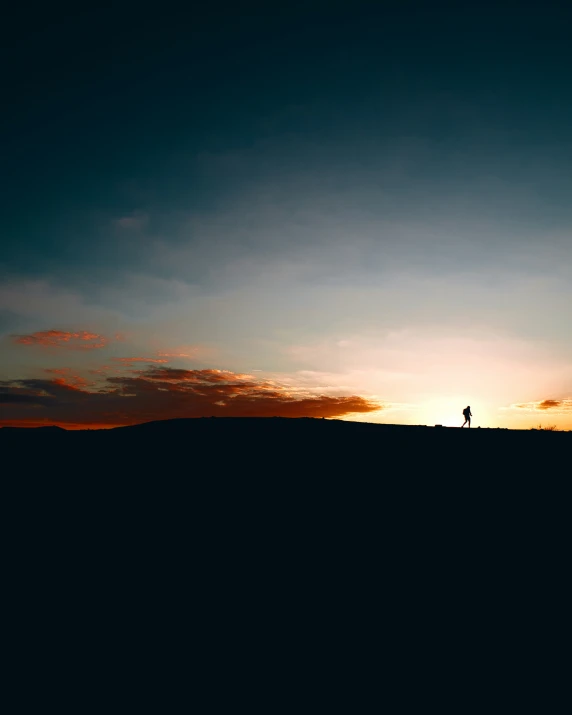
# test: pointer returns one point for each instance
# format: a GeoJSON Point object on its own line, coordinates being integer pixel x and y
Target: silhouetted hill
{"type": "Point", "coordinates": [273, 447]}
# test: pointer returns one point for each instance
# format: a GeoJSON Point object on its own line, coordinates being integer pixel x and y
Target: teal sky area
{"type": "Point", "coordinates": [349, 210]}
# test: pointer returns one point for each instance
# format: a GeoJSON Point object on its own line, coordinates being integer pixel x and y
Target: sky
{"type": "Point", "coordinates": [332, 209]}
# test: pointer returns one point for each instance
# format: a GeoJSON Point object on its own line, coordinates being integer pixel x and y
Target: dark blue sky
{"type": "Point", "coordinates": [108, 109]}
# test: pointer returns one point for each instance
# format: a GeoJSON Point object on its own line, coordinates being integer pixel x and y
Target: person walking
{"type": "Point", "coordinates": [467, 415]}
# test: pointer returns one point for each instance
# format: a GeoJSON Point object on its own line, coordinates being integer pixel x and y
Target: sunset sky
{"type": "Point", "coordinates": [299, 209]}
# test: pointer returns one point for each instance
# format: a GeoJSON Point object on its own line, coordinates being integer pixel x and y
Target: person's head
{"type": "Point", "coordinates": [468, 407]}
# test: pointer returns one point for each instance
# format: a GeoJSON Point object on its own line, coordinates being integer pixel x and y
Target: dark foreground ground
{"type": "Point", "coordinates": [280, 447]}
{"type": "Point", "coordinates": [242, 552]}
{"type": "Point", "coordinates": [256, 469]}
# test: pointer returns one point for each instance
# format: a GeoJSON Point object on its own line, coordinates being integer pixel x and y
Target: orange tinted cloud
{"type": "Point", "coordinates": [131, 360]}
{"type": "Point", "coordinates": [67, 378]}
{"type": "Point", "coordinates": [80, 340]}
{"type": "Point", "coordinates": [547, 404]}
{"type": "Point", "coordinates": [171, 374]}
{"type": "Point", "coordinates": [183, 351]}
{"type": "Point", "coordinates": [554, 405]}
{"type": "Point", "coordinates": [162, 393]}
{"type": "Point", "coordinates": [204, 352]}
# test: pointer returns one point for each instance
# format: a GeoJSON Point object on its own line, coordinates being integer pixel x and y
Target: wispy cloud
{"type": "Point", "coordinates": [132, 222]}
{"type": "Point", "coordinates": [179, 355]}
{"type": "Point", "coordinates": [80, 340]}
{"type": "Point", "coordinates": [170, 374]}
{"type": "Point", "coordinates": [132, 360]}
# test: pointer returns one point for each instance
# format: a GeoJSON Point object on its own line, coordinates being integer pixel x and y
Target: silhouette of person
{"type": "Point", "coordinates": [467, 415]}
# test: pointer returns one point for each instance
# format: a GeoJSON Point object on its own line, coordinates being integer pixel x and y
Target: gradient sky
{"type": "Point", "coordinates": [325, 209]}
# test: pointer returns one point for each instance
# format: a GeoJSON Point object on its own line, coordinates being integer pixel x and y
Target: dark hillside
{"type": "Point", "coordinates": [272, 447]}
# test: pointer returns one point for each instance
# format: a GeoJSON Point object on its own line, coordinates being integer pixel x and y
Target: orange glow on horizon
{"type": "Point", "coordinates": [70, 426]}
{"type": "Point", "coordinates": [367, 385]}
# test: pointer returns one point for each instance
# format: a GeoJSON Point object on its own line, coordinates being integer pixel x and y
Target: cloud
{"type": "Point", "coordinates": [161, 393]}
{"type": "Point", "coordinates": [131, 360]}
{"type": "Point", "coordinates": [555, 406]}
{"type": "Point", "coordinates": [547, 404]}
{"type": "Point", "coordinates": [67, 378]}
{"type": "Point", "coordinates": [134, 222]}
{"type": "Point", "coordinates": [171, 374]}
{"type": "Point", "coordinates": [18, 393]}
{"type": "Point", "coordinates": [22, 399]}
{"type": "Point", "coordinates": [80, 340]}
{"type": "Point", "coordinates": [177, 355]}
